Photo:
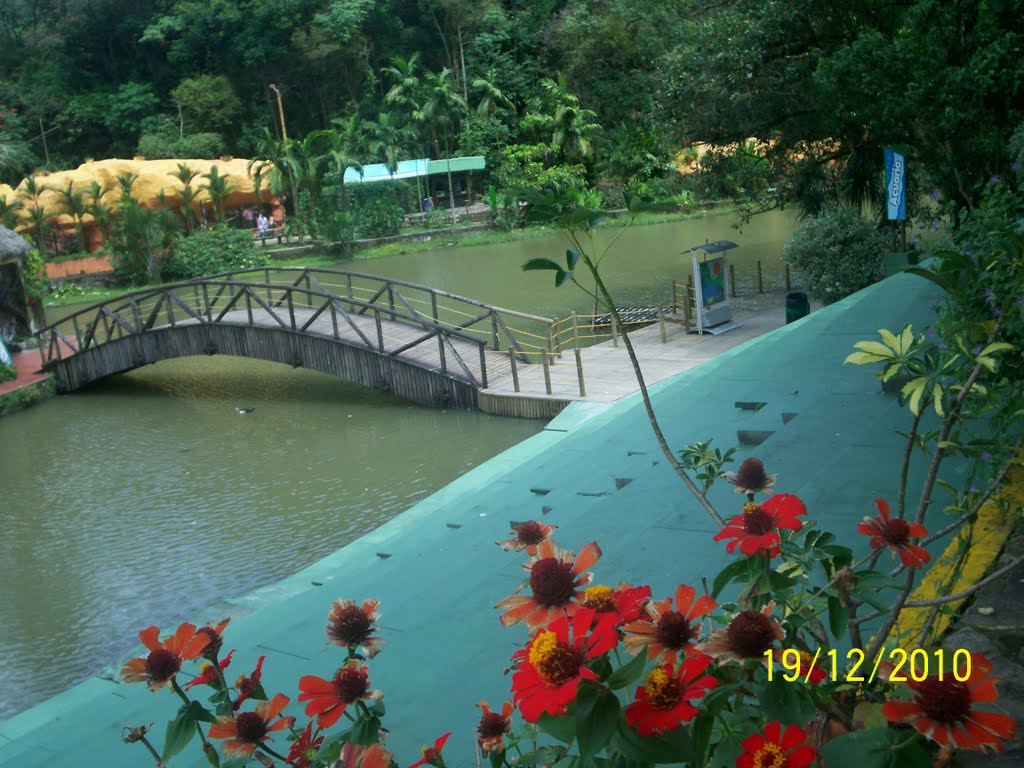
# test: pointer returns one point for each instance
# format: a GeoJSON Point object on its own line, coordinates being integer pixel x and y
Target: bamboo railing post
{"type": "Point", "coordinates": [348, 287]}
{"type": "Point", "coordinates": [575, 332]}
{"type": "Point", "coordinates": [515, 370]}
{"type": "Point", "coordinates": [494, 329]}
{"type": "Point", "coordinates": [483, 365]}
{"type": "Point", "coordinates": [291, 309]}
{"type": "Point", "coordinates": [579, 372]}
{"type": "Point", "coordinates": [760, 278]}
{"type": "Point", "coordinates": [433, 305]}
{"type": "Point", "coordinates": [547, 374]}
{"type": "Point", "coordinates": [615, 332]}
{"type": "Point", "coordinates": [440, 351]}
{"type": "Point", "coordinates": [248, 302]}
{"type": "Point", "coordinates": [206, 303]}
{"type": "Point", "coordinates": [266, 277]}
{"type": "Point", "coordinates": [661, 322]}
{"type": "Point", "coordinates": [551, 343]}
{"type": "Point", "coordinates": [380, 331]}
{"type": "Point", "coordinates": [78, 332]}
{"type": "Point", "coordinates": [732, 280]}
{"type": "Point", "coordinates": [789, 285]}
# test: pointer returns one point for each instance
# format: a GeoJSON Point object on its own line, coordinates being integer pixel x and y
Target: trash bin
{"type": "Point", "coordinates": [797, 306]}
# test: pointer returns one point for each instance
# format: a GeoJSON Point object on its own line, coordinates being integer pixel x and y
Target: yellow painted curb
{"type": "Point", "coordinates": [964, 563]}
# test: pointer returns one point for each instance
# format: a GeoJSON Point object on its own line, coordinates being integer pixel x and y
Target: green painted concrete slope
{"type": "Point", "coordinates": [601, 478]}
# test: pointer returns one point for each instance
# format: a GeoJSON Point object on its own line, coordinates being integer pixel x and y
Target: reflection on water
{"type": "Point", "coordinates": [146, 498]}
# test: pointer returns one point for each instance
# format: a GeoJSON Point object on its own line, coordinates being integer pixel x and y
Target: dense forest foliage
{"type": "Point", "coordinates": [595, 90]}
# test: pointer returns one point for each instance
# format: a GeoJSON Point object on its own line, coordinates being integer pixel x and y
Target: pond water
{"type": "Point", "coordinates": [145, 498]}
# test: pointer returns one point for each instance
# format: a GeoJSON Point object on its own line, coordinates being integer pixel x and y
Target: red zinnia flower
{"type": "Point", "coordinates": [747, 636]}
{"type": "Point", "coordinates": [208, 673]}
{"type": "Point", "coordinates": [943, 709]}
{"type": "Point", "coordinates": [527, 536]}
{"type": "Point", "coordinates": [757, 529]}
{"type": "Point", "coordinates": [361, 756]}
{"type": "Point", "coordinates": [808, 666]}
{"type": "Point", "coordinates": [789, 751]}
{"type": "Point", "coordinates": [895, 533]}
{"type": "Point", "coordinates": [663, 701]}
{"type": "Point", "coordinates": [329, 698]}
{"type": "Point", "coordinates": [556, 577]}
{"type": "Point", "coordinates": [493, 726]}
{"type": "Point", "coordinates": [668, 633]}
{"type": "Point", "coordinates": [164, 659]}
{"type": "Point", "coordinates": [249, 685]}
{"type": "Point", "coordinates": [550, 668]}
{"type": "Point", "coordinates": [626, 601]}
{"type": "Point", "coordinates": [303, 750]}
{"type": "Point", "coordinates": [432, 755]}
{"type": "Point", "coordinates": [247, 729]}
{"type": "Point", "coordinates": [351, 625]}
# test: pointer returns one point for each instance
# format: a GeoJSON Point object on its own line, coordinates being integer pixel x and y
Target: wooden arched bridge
{"type": "Point", "coordinates": [420, 343]}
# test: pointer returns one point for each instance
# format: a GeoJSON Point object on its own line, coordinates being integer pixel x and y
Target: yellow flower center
{"type": "Point", "coordinates": [555, 662]}
{"type": "Point", "coordinates": [661, 689]}
{"type": "Point", "coordinates": [600, 598]}
{"type": "Point", "coordinates": [770, 756]}
{"type": "Point", "coordinates": [750, 506]}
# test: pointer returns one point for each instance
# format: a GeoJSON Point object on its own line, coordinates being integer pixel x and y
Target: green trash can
{"type": "Point", "coordinates": [797, 306]}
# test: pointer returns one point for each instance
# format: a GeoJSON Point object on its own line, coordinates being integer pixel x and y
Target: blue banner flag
{"type": "Point", "coordinates": [895, 185]}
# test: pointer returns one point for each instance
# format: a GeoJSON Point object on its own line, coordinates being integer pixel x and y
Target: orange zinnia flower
{"type": "Point", "coordinates": [668, 633]}
{"type": "Point", "coordinates": [757, 529]}
{"type": "Point", "coordinates": [943, 710]}
{"type": "Point", "coordinates": [246, 730]}
{"type": "Point", "coordinates": [164, 659]}
{"type": "Point", "coordinates": [216, 635]}
{"type": "Point", "coordinates": [432, 755]}
{"type": "Point", "coordinates": [625, 600]}
{"type": "Point", "coordinates": [493, 727]}
{"type": "Point", "coordinates": [249, 686]}
{"type": "Point", "coordinates": [895, 533]}
{"type": "Point", "coordinates": [663, 701]}
{"type": "Point", "coordinates": [361, 756]}
{"type": "Point", "coordinates": [747, 636]}
{"type": "Point", "coordinates": [556, 577]}
{"type": "Point", "coordinates": [351, 625]}
{"type": "Point", "coordinates": [550, 668]}
{"type": "Point", "coordinates": [777, 749]}
{"type": "Point", "coordinates": [527, 536]}
{"type": "Point", "coordinates": [329, 698]}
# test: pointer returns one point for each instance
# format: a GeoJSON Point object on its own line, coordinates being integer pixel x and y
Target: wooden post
{"type": "Point", "coordinates": [494, 326]}
{"type": "Point", "coordinates": [661, 322]}
{"type": "Point", "coordinates": [579, 372]}
{"type": "Point", "coordinates": [440, 351]}
{"type": "Point", "coordinates": [788, 280]}
{"type": "Point", "coordinates": [433, 303]}
{"type": "Point", "coordinates": [675, 297]}
{"type": "Point", "coordinates": [266, 275]}
{"type": "Point", "coordinates": [551, 344]}
{"type": "Point", "coordinates": [686, 310]}
{"type": "Point", "coordinates": [547, 375]}
{"type": "Point", "coordinates": [615, 331]}
{"type": "Point", "coordinates": [760, 278]}
{"type": "Point", "coordinates": [483, 366]}
{"type": "Point", "coordinates": [380, 332]}
{"type": "Point", "coordinates": [732, 280]}
{"type": "Point", "coordinates": [575, 332]}
{"type": "Point", "coordinates": [515, 370]}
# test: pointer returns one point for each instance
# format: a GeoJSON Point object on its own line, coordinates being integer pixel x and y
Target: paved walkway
{"type": "Point", "coordinates": [596, 472]}
{"type": "Point", "coordinates": [27, 363]}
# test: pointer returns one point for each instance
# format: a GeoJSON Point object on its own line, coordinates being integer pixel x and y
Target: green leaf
{"type": "Point", "coordinates": [673, 747]}
{"type": "Point", "coordinates": [378, 708]}
{"type": "Point", "coordinates": [998, 346]}
{"type": "Point", "coordinates": [180, 731]}
{"type": "Point", "coordinates": [562, 277]}
{"type": "Point", "coordinates": [877, 748]}
{"type": "Point", "coordinates": [838, 617]}
{"type": "Point", "coordinates": [914, 389]}
{"type": "Point", "coordinates": [366, 731]}
{"type": "Point", "coordinates": [497, 759]}
{"type": "Point", "coordinates": [597, 711]}
{"type": "Point", "coordinates": [198, 712]}
{"type": "Point", "coordinates": [889, 338]}
{"type": "Point", "coordinates": [789, 703]}
{"type": "Point", "coordinates": [628, 673]}
{"type": "Point", "coordinates": [736, 570]}
{"type": "Point", "coordinates": [572, 256]}
{"type": "Point", "coordinates": [863, 358]}
{"type": "Point", "coordinates": [212, 757]}
{"type": "Point", "coordinates": [541, 263]}
{"type": "Point", "coordinates": [875, 348]}
{"type": "Point", "coordinates": [562, 727]}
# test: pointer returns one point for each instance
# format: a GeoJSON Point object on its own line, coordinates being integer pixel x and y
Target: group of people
{"type": "Point", "coordinates": [263, 222]}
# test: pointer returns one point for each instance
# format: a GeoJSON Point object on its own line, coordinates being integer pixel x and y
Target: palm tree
{"type": "Point", "coordinates": [38, 215]}
{"type": "Point", "coordinates": [407, 91]}
{"type": "Point", "coordinates": [218, 188]}
{"type": "Point", "coordinates": [573, 130]}
{"type": "Point", "coordinates": [305, 165]}
{"type": "Point", "coordinates": [389, 137]}
{"type": "Point", "coordinates": [273, 163]}
{"type": "Point", "coordinates": [125, 182]}
{"type": "Point", "coordinates": [186, 175]}
{"type": "Point", "coordinates": [8, 211]}
{"type": "Point", "coordinates": [491, 96]}
{"type": "Point", "coordinates": [438, 110]}
{"type": "Point", "coordinates": [99, 210]}
{"type": "Point", "coordinates": [76, 207]}
{"type": "Point", "coordinates": [342, 144]}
